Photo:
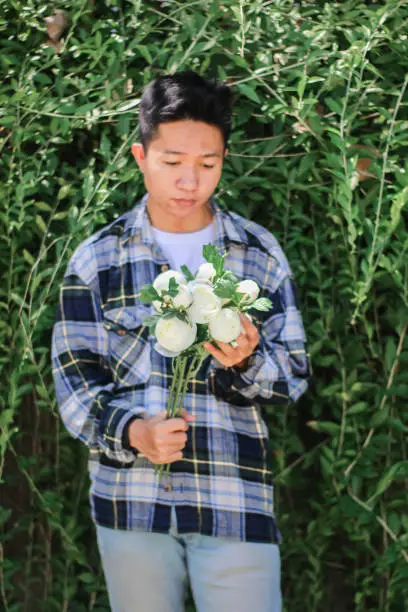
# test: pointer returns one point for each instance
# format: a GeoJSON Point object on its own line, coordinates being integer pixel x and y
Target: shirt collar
{"type": "Point", "coordinates": [226, 227]}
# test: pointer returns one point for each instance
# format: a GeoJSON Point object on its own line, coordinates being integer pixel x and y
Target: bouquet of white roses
{"type": "Point", "coordinates": [192, 309]}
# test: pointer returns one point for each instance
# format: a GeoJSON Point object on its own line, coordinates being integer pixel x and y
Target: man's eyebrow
{"type": "Point", "coordinates": [172, 152]}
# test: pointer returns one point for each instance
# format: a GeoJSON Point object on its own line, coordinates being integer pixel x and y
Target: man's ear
{"type": "Point", "coordinates": [139, 154]}
{"type": "Point", "coordinates": [225, 152]}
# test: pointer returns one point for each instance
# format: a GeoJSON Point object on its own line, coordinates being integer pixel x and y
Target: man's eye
{"type": "Point", "coordinates": [206, 166]}
{"type": "Point", "coordinates": [172, 163]}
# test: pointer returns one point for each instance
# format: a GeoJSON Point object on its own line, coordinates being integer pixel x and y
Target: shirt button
{"type": "Point", "coordinates": [168, 488]}
{"type": "Point", "coordinates": [121, 332]}
{"type": "Point", "coordinates": [164, 268]}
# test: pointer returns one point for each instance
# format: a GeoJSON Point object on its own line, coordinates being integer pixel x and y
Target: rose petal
{"type": "Point", "coordinates": [164, 352]}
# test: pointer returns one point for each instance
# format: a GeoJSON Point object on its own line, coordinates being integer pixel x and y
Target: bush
{"type": "Point", "coordinates": [318, 156]}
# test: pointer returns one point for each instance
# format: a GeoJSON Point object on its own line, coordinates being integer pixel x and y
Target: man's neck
{"type": "Point", "coordinates": [170, 223]}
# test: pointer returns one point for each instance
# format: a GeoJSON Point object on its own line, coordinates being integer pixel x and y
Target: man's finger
{"type": "Point", "coordinates": [175, 437]}
{"type": "Point", "coordinates": [246, 322]}
{"type": "Point", "coordinates": [215, 352]}
{"type": "Point", "coordinates": [243, 344]}
{"type": "Point", "coordinates": [170, 458]}
{"type": "Point", "coordinates": [170, 447]}
{"type": "Point", "coordinates": [157, 418]}
{"type": "Point", "coordinates": [226, 348]}
{"type": "Point", "coordinates": [176, 424]}
{"type": "Point", "coordinates": [250, 330]}
{"type": "Point", "coordinates": [189, 418]}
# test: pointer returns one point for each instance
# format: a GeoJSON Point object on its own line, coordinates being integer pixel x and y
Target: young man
{"type": "Point", "coordinates": [211, 519]}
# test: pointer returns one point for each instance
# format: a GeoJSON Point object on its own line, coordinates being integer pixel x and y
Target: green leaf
{"type": "Point", "coordinates": [225, 287]}
{"type": "Point", "coordinates": [5, 514]}
{"type": "Point", "coordinates": [43, 206]}
{"type": "Point", "coordinates": [173, 289]}
{"type": "Point", "coordinates": [41, 223]}
{"type": "Point", "coordinates": [202, 333]}
{"type": "Point", "coordinates": [263, 304]}
{"type": "Point", "coordinates": [397, 424]}
{"type": "Point", "coordinates": [325, 426]}
{"type": "Point", "coordinates": [397, 205]}
{"type": "Point", "coordinates": [149, 294]}
{"type": "Point", "coordinates": [334, 105]}
{"type": "Point", "coordinates": [87, 577]}
{"type": "Point", "coordinates": [28, 257]}
{"type": "Point", "coordinates": [250, 93]}
{"type": "Point", "coordinates": [187, 273]}
{"type": "Point", "coordinates": [389, 477]}
{"type": "Point", "coordinates": [301, 85]}
{"type": "Point", "coordinates": [64, 191]}
{"type": "Point", "coordinates": [173, 312]}
{"type": "Point", "coordinates": [379, 417]}
{"type": "Point", "coordinates": [144, 51]}
{"type": "Point", "coordinates": [182, 316]}
{"type": "Point", "coordinates": [358, 408]}
{"type": "Point", "coordinates": [212, 255]}
{"type": "Point", "coordinates": [151, 320]}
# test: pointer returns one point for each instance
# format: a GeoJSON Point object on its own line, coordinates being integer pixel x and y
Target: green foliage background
{"type": "Point", "coordinates": [320, 87]}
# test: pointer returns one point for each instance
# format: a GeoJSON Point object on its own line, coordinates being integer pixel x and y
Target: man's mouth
{"type": "Point", "coordinates": [185, 201]}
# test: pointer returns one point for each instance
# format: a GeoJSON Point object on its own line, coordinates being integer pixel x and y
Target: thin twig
{"type": "Point", "coordinates": [379, 519]}
{"type": "Point", "coordinates": [383, 401]}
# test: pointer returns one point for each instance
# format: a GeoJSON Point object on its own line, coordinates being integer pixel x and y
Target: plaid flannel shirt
{"type": "Point", "coordinates": [107, 373]}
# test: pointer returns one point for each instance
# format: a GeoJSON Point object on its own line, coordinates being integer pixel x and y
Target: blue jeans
{"type": "Point", "coordinates": [147, 572]}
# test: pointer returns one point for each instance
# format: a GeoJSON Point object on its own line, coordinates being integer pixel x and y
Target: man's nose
{"type": "Point", "coordinates": [188, 178]}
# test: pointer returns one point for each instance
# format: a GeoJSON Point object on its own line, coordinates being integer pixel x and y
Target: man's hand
{"type": "Point", "coordinates": [246, 342]}
{"type": "Point", "coordinates": [159, 439]}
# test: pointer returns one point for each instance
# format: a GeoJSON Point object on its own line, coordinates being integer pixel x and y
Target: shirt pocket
{"type": "Point", "coordinates": [129, 345]}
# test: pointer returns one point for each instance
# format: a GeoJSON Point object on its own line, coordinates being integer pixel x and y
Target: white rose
{"type": "Point", "coordinates": [183, 298]}
{"type": "Point", "coordinates": [160, 349]}
{"type": "Point", "coordinates": [161, 282]}
{"type": "Point", "coordinates": [175, 335]}
{"type": "Point", "coordinates": [205, 273]}
{"type": "Point", "coordinates": [206, 304]}
{"type": "Point", "coordinates": [250, 289]}
{"type": "Point", "coordinates": [226, 326]}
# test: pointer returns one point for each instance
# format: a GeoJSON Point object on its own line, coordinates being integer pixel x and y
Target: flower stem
{"type": "Point", "coordinates": [176, 408]}
{"type": "Point", "coordinates": [178, 389]}
{"type": "Point", "coordinates": [174, 382]}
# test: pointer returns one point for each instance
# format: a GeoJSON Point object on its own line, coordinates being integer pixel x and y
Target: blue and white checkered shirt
{"type": "Point", "coordinates": [107, 373]}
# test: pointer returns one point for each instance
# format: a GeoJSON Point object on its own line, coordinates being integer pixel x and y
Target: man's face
{"type": "Point", "coordinates": [182, 167]}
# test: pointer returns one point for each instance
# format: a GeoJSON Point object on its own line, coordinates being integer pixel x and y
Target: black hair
{"type": "Point", "coordinates": [184, 95]}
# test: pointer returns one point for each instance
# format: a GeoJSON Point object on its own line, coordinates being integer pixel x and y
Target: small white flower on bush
{"type": "Point", "coordinates": [250, 289]}
{"type": "Point", "coordinates": [205, 273]}
{"type": "Point", "coordinates": [175, 335]}
{"type": "Point", "coordinates": [225, 326]}
{"type": "Point", "coordinates": [206, 304]}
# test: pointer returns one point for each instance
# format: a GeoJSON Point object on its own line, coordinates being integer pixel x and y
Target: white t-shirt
{"type": "Point", "coordinates": [185, 248]}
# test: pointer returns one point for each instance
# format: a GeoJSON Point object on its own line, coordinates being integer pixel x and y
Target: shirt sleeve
{"type": "Point", "coordinates": [85, 390]}
{"type": "Point", "coordinates": [279, 369]}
